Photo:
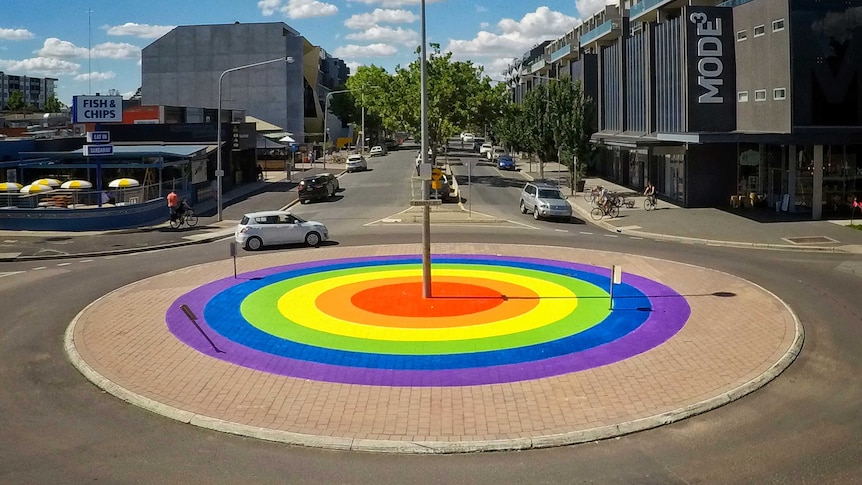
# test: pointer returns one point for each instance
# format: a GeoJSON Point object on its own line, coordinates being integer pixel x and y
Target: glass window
{"type": "Point", "coordinates": [779, 93]}
{"type": "Point", "coordinates": [742, 96]}
{"type": "Point", "coordinates": [777, 25]}
{"type": "Point", "coordinates": [759, 30]}
{"type": "Point", "coordinates": [741, 35]}
{"type": "Point", "coordinates": [760, 95]}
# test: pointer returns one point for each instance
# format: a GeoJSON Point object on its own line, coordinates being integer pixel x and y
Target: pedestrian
{"type": "Point", "coordinates": [259, 172]}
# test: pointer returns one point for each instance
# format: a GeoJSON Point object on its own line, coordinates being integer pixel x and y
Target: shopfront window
{"type": "Point", "coordinates": [842, 178]}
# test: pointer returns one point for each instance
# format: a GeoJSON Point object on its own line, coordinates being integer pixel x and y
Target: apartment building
{"type": "Point", "coordinates": [36, 91]}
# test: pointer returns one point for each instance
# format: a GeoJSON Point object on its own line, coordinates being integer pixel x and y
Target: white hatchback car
{"type": "Point", "coordinates": [356, 162]}
{"type": "Point", "coordinates": [377, 151]}
{"type": "Point", "coordinates": [267, 228]}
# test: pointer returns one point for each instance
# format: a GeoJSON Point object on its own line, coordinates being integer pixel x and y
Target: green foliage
{"type": "Point", "coordinates": [15, 102]}
{"type": "Point", "coordinates": [53, 105]}
{"type": "Point", "coordinates": [572, 124]}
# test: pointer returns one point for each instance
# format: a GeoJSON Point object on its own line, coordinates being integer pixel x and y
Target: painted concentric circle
{"type": "Point", "coordinates": [491, 319]}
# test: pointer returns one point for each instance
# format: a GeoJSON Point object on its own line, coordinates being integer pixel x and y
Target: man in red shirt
{"type": "Point", "coordinates": [173, 204]}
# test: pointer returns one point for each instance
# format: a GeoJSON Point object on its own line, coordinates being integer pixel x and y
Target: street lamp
{"type": "Point", "coordinates": [219, 171]}
{"type": "Point", "coordinates": [325, 120]}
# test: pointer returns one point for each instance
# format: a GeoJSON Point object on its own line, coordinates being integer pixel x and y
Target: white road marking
{"type": "Point", "coordinates": [86, 261]}
{"type": "Point", "coordinates": [638, 238]}
{"type": "Point", "coordinates": [63, 264]}
{"type": "Point", "coordinates": [9, 273]}
{"type": "Point", "coordinates": [628, 228]}
{"type": "Point", "coordinates": [40, 267]}
{"type": "Point", "coordinates": [561, 230]}
{"type": "Point", "coordinates": [611, 235]}
{"type": "Point", "coordinates": [587, 233]}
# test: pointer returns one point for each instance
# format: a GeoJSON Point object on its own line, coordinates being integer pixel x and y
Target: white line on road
{"type": "Point", "coordinates": [561, 230]}
{"type": "Point", "coordinates": [40, 267]}
{"type": "Point", "coordinates": [611, 235]}
{"type": "Point", "coordinates": [587, 233]}
{"type": "Point", "coordinates": [9, 273]}
{"type": "Point", "coordinates": [86, 261]}
{"type": "Point", "coordinates": [63, 264]}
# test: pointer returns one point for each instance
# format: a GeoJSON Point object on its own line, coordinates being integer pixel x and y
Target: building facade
{"type": "Point", "coordinates": [35, 90]}
{"type": "Point", "coordinates": [718, 103]}
{"type": "Point", "coordinates": [183, 67]}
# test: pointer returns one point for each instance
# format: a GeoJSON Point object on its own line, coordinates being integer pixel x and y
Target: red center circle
{"type": "Point", "coordinates": [447, 299]}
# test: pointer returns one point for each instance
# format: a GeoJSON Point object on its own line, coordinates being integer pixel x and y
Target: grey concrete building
{"type": "Point", "coordinates": [36, 90]}
{"type": "Point", "coordinates": [182, 68]}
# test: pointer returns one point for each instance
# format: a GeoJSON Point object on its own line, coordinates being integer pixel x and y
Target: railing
{"type": "Point", "coordinates": [88, 199]}
{"type": "Point", "coordinates": [645, 6]}
{"type": "Point", "coordinates": [733, 3]}
{"type": "Point", "coordinates": [561, 52]}
{"type": "Point", "coordinates": [602, 30]}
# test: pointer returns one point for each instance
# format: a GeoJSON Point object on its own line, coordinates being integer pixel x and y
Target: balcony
{"type": "Point", "coordinates": [608, 30]}
{"type": "Point", "coordinates": [561, 53]}
{"type": "Point", "coordinates": [539, 65]}
{"type": "Point", "coordinates": [646, 6]}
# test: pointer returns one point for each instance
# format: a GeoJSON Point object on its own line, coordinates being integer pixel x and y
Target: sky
{"type": "Point", "coordinates": [94, 46]}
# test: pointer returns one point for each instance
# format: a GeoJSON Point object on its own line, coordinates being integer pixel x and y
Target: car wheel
{"type": "Point", "coordinates": [312, 239]}
{"type": "Point", "coordinates": [523, 208]}
{"type": "Point", "coordinates": [536, 215]}
{"type": "Point", "coordinates": [303, 201]}
{"type": "Point", "coordinates": [253, 244]}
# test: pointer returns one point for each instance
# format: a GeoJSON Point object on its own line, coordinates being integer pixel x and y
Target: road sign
{"type": "Point", "coordinates": [98, 137]}
{"type": "Point", "coordinates": [436, 174]}
{"type": "Point", "coordinates": [426, 202]}
{"type": "Point", "coordinates": [97, 109]}
{"type": "Point", "coordinates": [98, 150]}
{"type": "Point", "coordinates": [436, 185]}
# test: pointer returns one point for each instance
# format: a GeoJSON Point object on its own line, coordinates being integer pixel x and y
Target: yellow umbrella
{"type": "Point", "coordinates": [49, 182]}
{"type": "Point", "coordinates": [36, 189]}
{"type": "Point", "coordinates": [76, 184]}
{"type": "Point", "coordinates": [123, 183]}
{"type": "Point", "coordinates": [10, 187]}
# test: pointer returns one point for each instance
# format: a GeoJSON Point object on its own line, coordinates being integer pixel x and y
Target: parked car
{"type": "Point", "coordinates": [485, 148]}
{"type": "Point", "coordinates": [377, 151]}
{"type": "Point", "coordinates": [317, 187]}
{"type": "Point", "coordinates": [467, 137]}
{"type": "Point", "coordinates": [356, 162]}
{"type": "Point", "coordinates": [544, 201]}
{"type": "Point", "coordinates": [258, 229]}
{"type": "Point", "coordinates": [495, 153]}
{"type": "Point", "coordinates": [505, 162]}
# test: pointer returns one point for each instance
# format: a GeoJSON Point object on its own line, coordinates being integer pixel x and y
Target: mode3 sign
{"type": "Point", "coordinates": [97, 109]}
{"type": "Point", "coordinates": [709, 53]}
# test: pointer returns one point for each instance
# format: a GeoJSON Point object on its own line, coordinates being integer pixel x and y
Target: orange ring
{"type": "Point", "coordinates": [338, 303]}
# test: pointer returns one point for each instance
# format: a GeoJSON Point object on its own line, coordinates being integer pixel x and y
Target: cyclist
{"type": "Point", "coordinates": [173, 204]}
{"type": "Point", "coordinates": [604, 199]}
{"type": "Point", "coordinates": [649, 191]}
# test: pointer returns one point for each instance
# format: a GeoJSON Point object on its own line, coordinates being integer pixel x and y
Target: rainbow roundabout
{"type": "Point", "coordinates": [517, 348]}
{"type": "Point", "coordinates": [490, 320]}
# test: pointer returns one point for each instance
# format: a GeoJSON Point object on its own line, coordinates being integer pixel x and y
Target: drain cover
{"type": "Point", "coordinates": [810, 240]}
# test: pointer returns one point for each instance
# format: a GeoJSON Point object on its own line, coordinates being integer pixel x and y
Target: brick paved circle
{"type": "Point", "coordinates": [737, 338]}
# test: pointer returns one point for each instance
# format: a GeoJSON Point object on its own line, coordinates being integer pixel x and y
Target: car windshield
{"type": "Point", "coordinates": [550, 194]}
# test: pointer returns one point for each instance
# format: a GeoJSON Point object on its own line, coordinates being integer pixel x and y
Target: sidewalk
{"type": "Point", "coordinates": [758, 228]}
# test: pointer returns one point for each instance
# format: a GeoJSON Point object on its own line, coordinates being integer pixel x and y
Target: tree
{"type": "Point", "coordinates": [572, 122]}
{"type": "Point", "coordinates": [53, 105]}
{"type": "Point", "coordinates": [539, 127]}
{"type": "Point", "coordinates": [15, 102]}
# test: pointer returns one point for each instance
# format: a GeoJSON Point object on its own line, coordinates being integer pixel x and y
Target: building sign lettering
{"type": "Point", "coordinates": [711, 77]}
{"type": "Point", "coordinates": [709, 65]}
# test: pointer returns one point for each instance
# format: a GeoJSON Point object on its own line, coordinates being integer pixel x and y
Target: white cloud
{"type": "Point", "coordinates": [62, 49]}
{"type": "Point", "coordinates": [353, 66]}
{"type": "Point", "coordinates": [40, 66]}
{"type": "Point", "coordinates": [386, 34]}
{"type": "Point", "coordinates": [586, 8]}
{"type": "Point", "coordinates": [481, 9]}
{"type": "Point", "coordinates": [373, 50]}
{"type": "Point", "coordinates": [484, 25]}
{"type": "Point", "coordinates": [15, 34]}
{"type": "Point", "coordinates": [95, 76]}
{"type": "Point", "coordinates": [393, 3]}
{"type": "Point", "coordinates": [302, 9]}
{"type": "Point", "coordinates": [380, 16]}
{"type": "Point", "coordinates": [268, 7]}
{"type": "Point", "coordinates": [143, 31]}
{"type": "Point", "coordinates": [496, 50]}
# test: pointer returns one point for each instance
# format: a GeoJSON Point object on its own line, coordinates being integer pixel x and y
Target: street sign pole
{"type": "Point", "coordinates": [426, 213]}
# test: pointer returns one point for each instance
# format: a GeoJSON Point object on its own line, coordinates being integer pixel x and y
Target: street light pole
{"type": "Point", "coordinates": [325, 120]}
{"type": "Point", "coordinates": [219, 171]}
{"type": "Point", "coordinates": [426, 210]}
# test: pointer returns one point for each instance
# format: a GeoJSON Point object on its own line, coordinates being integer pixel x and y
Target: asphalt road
{"type": "Point", "coordinates": [803, 427]}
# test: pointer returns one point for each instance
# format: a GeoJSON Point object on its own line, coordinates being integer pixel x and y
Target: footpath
{"type": "Point", "coordinates": [743, 228]}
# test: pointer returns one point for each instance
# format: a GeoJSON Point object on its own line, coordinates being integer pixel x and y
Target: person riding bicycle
{"type": "Point", "coordinates": [649, 191]}
{"type": "Point", "coordinates": [173, 204]}
{"type": "Point", "coordinates": [604, 198]}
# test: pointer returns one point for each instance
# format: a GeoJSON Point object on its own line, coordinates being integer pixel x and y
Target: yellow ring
{"type": "Point", "coordinates": [298, 306]}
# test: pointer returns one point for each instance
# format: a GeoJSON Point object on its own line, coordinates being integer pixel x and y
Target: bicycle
{"type": "Point", "coordinates": [187, 217]}
{"type": "Point", "coordinates": [607, 209]}
{"type": "Point", "coordinates": [592, 194]}
{"type": "Point", "coordinates": [650, 203]}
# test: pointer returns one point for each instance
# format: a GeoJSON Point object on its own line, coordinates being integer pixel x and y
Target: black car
{"type": "Point", "coordinates": [317, 187]}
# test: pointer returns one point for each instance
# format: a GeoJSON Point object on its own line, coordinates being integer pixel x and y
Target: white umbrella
{"type": "Point", "coordinates": [49, 182]}
{"type": "Point", "coordinates": [10, 186]}
{"type": "Point", "coordinates": [36, 189]}
{"type": "Point", "coordinates": [287, 139]}
{"type": "Point", "coordinates": [123, 183]}
{"type": "Point", "coordinates": [76, 184]}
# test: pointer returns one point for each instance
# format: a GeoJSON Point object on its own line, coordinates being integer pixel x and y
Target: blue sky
{"type": "Point", "coordinates": [94, 46]}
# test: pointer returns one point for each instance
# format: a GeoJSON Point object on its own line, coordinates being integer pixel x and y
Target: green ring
{"type": "Point", "coordinates": [257, 309]}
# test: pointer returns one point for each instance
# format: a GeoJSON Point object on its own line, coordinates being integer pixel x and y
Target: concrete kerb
{"type": "Point", "coordinates": [431, 447]}
{"type": "Point", "coordinates": [708, 242]}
